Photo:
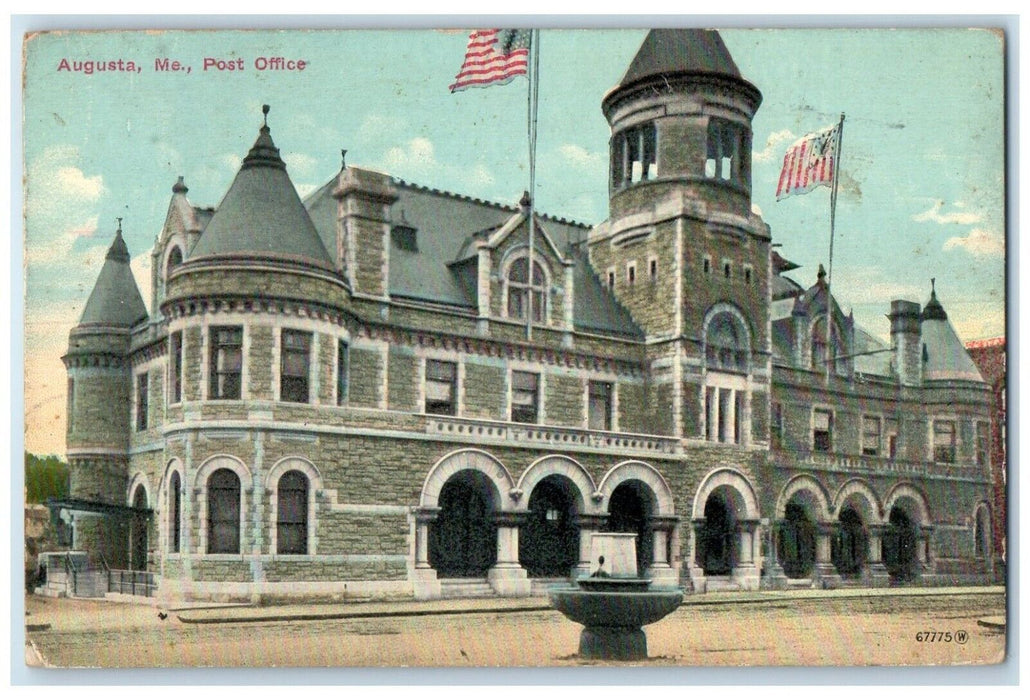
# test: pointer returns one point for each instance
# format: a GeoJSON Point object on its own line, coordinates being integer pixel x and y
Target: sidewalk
{"type": "Point", "coordinates": [411, 608]}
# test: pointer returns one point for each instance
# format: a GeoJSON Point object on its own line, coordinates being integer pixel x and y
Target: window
{"type": "Point", "coordinates": [631, 273]}
{"type": "Point", "coordinates": [599, 406]}
{"type": "Point", "coordinates": [611, 278]}
{"type": "Point", "coordinates": [819, 348]}
{"type": "Point", "coordinates": [723, 411]}
{"type": "Point", "coordinates": [871, 435]}
{"type": "Point", "coordinates": [944, 441]}
{"type": "Point", "coordinates": [747, 274]}
{"type": "Point", "coordinates": [982, 442]}
{"type": "Point", "coordinates": [634, 155]}
{"type": "Point", "coordinates": [519, 290]}
{"type": "Point", "coordinates": [729, 148]}
{"type": "Point", "coordinates": [891, 429]}
{"type": "Point", "coordinates": [223, 517]}
{"type": "Point", "coordinates": [726, 269]}
{"type": "Point", "coordinates": [142, 401]}
{"type": "Point", "coordinates": [524, 397]}
{"type": "Point", "coordinates": [226, 362]}
{"type": "Point", "coordinates": [822, 430]}
{"type": "Point", "coordinates": [724, 346]}
{"type": "Point", "coordinates": [292, 516]}
{"type": "Point", "coordinates": [294, 364]}
{"type": "Point", "coordinates": [175, 351]}
{"type": "Point", "coordinates": [708, 265]}
{"type": "Point", "coordinates": [652, 270]}
{"type": "Point", "coordinates": [342, 371]}
{"type": "Point", "coordinates": [174, 512]}
{"type": "Point", "coordinates": [174, 260]}
{"type": "Point", "coordinates": [70, 413]}
{"type": "Point", "coordinates": [776, 426]}
{"type": "Point", "coordinates": [441, 384]}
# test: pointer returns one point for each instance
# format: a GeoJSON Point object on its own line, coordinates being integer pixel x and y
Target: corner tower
{"type": "Point", "coordinates": [682, 249]}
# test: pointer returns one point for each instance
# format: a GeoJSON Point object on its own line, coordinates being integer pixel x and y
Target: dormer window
{"type": "Point", "coordinates": [520, 288]}
{"type": "Point", "coordinates": [174, 260]}
{"type": "Point", "coordinates": [729, 148]}
{"type": "Point", "coordinates": [634, 155]}
{"type": "Point", "coordinates": [819, 348]}
{"type": "Point", "coordinates": [405, 238]}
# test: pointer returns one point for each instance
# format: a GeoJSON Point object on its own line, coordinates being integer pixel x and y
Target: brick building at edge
{"type": "Point", "coordinates": [337, 395]}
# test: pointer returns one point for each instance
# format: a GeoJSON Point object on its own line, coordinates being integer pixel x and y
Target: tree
{"type": "Point", "coordinates": [45, 477]}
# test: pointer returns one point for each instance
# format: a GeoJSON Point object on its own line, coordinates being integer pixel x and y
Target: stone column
{"type": "Point", "coordinates": [825, 572]}
{"type": "Point", "coordinates": [924, 550]}
{"type": "Point", "coordinates": [772, 573]}
{"type": "Point", "coordinates": [745, 571]}
{"type": "Point", "coordinates": [694, 565]}
{"type": "Point", "coordinates": [507, 577]}
{"type": "Point", "coordinates": [875, 573]}
{"type": "Point", "coordinates": [662, 569]}
{"type": "Point", "coordinates": [426, 584]}
{"type": "Point", "coordinates": [588, 524]}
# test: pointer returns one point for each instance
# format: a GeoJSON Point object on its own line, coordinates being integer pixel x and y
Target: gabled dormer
{"type": "Point", "coordinates": [809, 318]}
{"type": "Point", "coordinates": [183, 225]}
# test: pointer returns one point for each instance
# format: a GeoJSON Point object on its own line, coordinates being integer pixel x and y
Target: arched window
{"type": "Point", "coordinates": [725, 347]}
{"type": "Point", "coordinates": [634, 155]}
{"type": "Point", "coordinates": [981, 533]}
{"type": "Point", "coordinates": [292, 517]}
{"type": "Point", "coordinates": [223, 512]}
{"type": "Point", "coordinates": [519, 289]}
{"type": "Point", "coordinates": [819, 348]}
{"type": "Point", "coordinates": [174, 512]}
{"type": "Point", "coordinates": [174, 260]}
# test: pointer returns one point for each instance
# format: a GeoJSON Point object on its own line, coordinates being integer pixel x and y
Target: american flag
{"type": "Point", "coordinates": [809, 162]}
{"type": "Point", "coordinates": [493, 57]}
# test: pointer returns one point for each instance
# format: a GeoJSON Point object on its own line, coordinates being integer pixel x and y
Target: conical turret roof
{"type": "Point", "coordinates": [115, 299]}
{"type": "Point", "coordinates": [944, 355]}
{"type": "Point", "coordinates": [669, 51]}
{"type": "Point", "coordinates": [261, 216]}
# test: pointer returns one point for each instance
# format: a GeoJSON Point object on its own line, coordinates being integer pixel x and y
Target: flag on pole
{"type": "Point", "coordinates": [809, 162]}
{"type": "Point", "coordinates": [493, 57]}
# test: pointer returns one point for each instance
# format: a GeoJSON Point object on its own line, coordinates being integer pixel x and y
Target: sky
{"type": "Point", "coordinates": [922, 170]}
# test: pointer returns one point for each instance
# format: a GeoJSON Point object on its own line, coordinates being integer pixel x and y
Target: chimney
{"type": "Point", "coordinates": [907, 342]}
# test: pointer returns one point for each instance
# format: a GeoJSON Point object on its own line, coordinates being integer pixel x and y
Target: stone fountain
{"type": "Point", "coordinates": [613, 603]}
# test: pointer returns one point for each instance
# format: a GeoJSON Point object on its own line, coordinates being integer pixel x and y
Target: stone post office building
{"type": "Point", "coordinates": [338, 396]}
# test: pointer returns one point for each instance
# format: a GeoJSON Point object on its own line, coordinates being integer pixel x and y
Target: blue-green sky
{"type": "Point", "coordinates": [922, 187]}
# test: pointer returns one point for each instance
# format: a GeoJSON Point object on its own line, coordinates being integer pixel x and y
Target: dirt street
{"type": "Point", "coordinates": [840, 630]}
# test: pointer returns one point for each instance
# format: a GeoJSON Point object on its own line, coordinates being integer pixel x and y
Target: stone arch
{"type": "Point", "coordinates": [736, 481]}
{"type": "Point", "coordinates": [639, 471]}
{"type": "Point", "coordinates": [805, 483]}
{"type": "Point", "coordinates": [739, 318]}
{"type": "Point", "coordinates": [314, 477]}
{"type": "Point", "coordinates": [983, 530]}
{"type": "Point", "coordinates": [859, 493]}
{"type": "Point", "coordinates": [467, 459]}
{"type": "Point", "coordinates": [559, 465]}
{"type": "Point", "coordinates": [906, 491]}
{"type": "Point", "coordinates": [200, 482]}
{"type": "Point", "coordinates": [167, 504]}
{"type": "Point", "coordinates": [140, 479]}
{"type": "Point", "coordinates": [514, 255]}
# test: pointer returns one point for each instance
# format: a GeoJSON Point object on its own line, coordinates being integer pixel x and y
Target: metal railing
{"type": "Point", "coordinates": [140, 583]}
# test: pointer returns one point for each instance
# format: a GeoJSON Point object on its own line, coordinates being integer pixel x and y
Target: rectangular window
{"type": "Point", "coordinates": [891, 430]}
{"type": "Point", "coordinates": [747, 274]}
{"type": "Point", "coordinates": [653, 270]}
{"type": "Point", "coordinates": [175, 352]}
{"type": "Point", "coordinates": [226, 362]}
{"type": "Point", "coordinates": [71, 405]}
{"type": "Point", "coordinates": [142, 401]}
{"type": "Point", "coordinates": [822, 430]}
{"type": "Point", "coordinates": [294, 365]}
{"type": "Point", "coordinates": [944, 441]}
{"type": "Point", "coordinates": [871, 435]}
{"type": "Point", "coordinates": [631, 273]}
{"type": "Point", "coordinates": [728, 151]}
{"type": "Point", "coordinates": [726, 269]}
{"type": "Point", "coordinates": [982, 442]}
{"type": "Point", "coordinates": [441, 385]}
{"type": "Point", "coordinates": [525, 397]}
{"type": "Point", "coordinates": [599, 406]}
{"type": "Point", "coordinates": [708, 265]}
{"type": "Point", "coordinates": [634, 155]}
{"type": "Point", "coordinates": [611, 278]}
{"type": "Point", "coordinates": [342, 371]}
{"type": "Point", "coordinates": [776, 426]}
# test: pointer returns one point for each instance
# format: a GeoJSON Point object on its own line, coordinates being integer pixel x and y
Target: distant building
{"type": "Point", "coordinates": [989, 357]}
{"type": "Point", "coordinates": [340, 395]}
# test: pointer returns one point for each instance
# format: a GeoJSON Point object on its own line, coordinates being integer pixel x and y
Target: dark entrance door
{"type": "Point", "coordinates": [138, 555]}
{"type": "Point", "coordinates": [850, 545]}
{"type": "Point", "coordinates": [796, 550]}
{"type": "Point", "coordinates": [899, 546]}
{"type": "Point", "coordinates": [463, 540]}
{"type": "Point", "coordinates": [549, 540]}
{"type": "Point", "coordinates": [717, 538]}
{"type": "Point", "coordinates": [629, 510]}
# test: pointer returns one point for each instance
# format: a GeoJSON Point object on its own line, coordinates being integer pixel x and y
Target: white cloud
{"type": "Point", "coordinates": [418, 154]}
{"type": "Point", "coordinates": [232, 162]}
{"type": "Point", "coordinates": [416, 160]}
{"type": "Point", "coordinates": [59, 245]}
{"type": "Point", "coordinates": [980, 242]}
{"type": "Point", "coordinates": [934, 215]}
{"type": "Point", "coordinates": [379, 127]}
{"type": "Point", "coordinates": [142, 270]}
{"type": "Point", "coordinates": [300, 164]}
{"type": "Point", "coordinates": [60, 204]}
{"type": "Point", "coordinates": [773, 146]}
{"type": "Point", "coordinates": [579, 157]}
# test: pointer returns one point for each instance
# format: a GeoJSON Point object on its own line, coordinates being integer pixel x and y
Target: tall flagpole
{"type": "Point", "coordinates": [829, 274]}
{"type": "Point", "coordinates": [534, 77]}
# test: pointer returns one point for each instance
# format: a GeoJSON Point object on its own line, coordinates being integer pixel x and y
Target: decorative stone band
{"type": "Point", "coordinates": [663, 523]}
{"type": "Point", "coordinates": [511, 518]}
{"type": "Point", "coordinates": [426, 514]}
{"type": "Point", "coordinates": [864, 463]}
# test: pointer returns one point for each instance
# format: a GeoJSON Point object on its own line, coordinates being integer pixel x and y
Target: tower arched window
{"type": "Point", "coordinates": [634, 155]}
{"type": "Point", "coordinates": [174, 260]}
{"type": "Point", "coordinates": [725, 348]}
{"type": "Point", "coordinates": [818, 345]}
{"type": "Point", "coordinates": [520, 288]}
{"type": "Point", "coordinates": [174, 512]}
{"type": "Point", "coordinates": [729, 152]}
{"type": "Point", "coordinates": [223, 512]}
{"type": "Point", "coordinates": [727, 392]}
{"type": "Point", "coordinates": [292, 515]}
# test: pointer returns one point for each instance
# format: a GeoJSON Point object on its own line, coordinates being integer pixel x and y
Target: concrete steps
{"type": "Point", "coordinates": [539, 586]}
{"type": "Point", "coordinates": [465, 588]}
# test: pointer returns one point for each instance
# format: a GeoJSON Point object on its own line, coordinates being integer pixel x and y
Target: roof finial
{"type": "Point", "coordinates": [264, 111]}
{"type": "Point", "coordinates": [119, 225]}
{"type": "Point", "coordinates": [525, 201]}
{"type": "Point", "coordinates": [933, 286]}
{"type": "Point", "coordinates": [343, 159]}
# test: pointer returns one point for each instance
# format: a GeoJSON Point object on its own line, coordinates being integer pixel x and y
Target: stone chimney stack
{"type": "Point", "coordinates": [907, 342]}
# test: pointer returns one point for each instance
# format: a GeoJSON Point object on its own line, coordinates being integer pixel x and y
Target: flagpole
{"type": "Point", "coordinates": [829, 274]}
{"type": "Point", "coordinates": [534, 75]}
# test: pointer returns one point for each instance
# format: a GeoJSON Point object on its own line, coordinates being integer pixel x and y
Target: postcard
{"type": "Point", "coordinates": [515, 347]}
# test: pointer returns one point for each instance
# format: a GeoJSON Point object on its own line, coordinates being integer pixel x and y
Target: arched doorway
{"type": "Point", "coordinates": [796, 543]}
{"type": "Point", "coordinates": [629, 510]}
{"type": "Point", "coordinates": [718, 535]}
{"type": "Point", "coordinates": [549, 539]}
{"type": "Point", "coordinates": [138, 551]}
{"type": "Point", "coordinates": [850, 545]}
{"type": "Point", "coordinates": [899, 546]}
{"type": "Point", "coordinates": [463, 539]}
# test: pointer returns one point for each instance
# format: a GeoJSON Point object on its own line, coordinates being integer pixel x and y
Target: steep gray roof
{"type": "Point", "coordinates": [875, 364]}
{"type": "Point", "coordinates": [944, 355]}
{"type": "Point", "coordinates": [668, 51]}
{"type": "Point", "coordinates": [594, 308]}
{"type": "Point", "coordinates": [115, 299]}
{"type": "Point", "coordinates": [261, 216]}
